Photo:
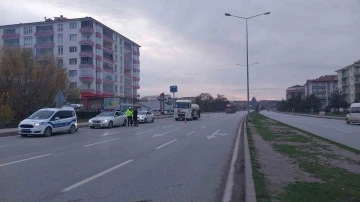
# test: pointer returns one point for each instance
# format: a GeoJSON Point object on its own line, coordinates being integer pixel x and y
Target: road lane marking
{"type": "Point", "coordinates": [4, 146]}
{"type": "Point", "coordinates": [344, 130]}
{"type": "Point", "coordinates": [118, 132]}
{"type": "Point", "coordinates": [168, 126]}
{"type": "Point", "coordinates": [210, 124]}
{"type": "Point", "coordinates": [100, 142]}
{"type": "Point", "coordinates": [35, 157]}
{"type": "Point", "coordinates": [166, 144]}
{"type": "Point", "coordinates": [95, 176]}
{"type": "Point", "coordinates": [203, 127]}
{"type": "Point", "coordinates": [190, 133]}
{"type": "Point", "coordinates": [144, 132]}
{"type": "Point", "coordinates": [157, 135]}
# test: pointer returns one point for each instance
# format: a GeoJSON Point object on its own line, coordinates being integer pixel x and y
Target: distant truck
{"type": "Point", "coordinates": [230, 108]}
{"type": "Point", "coordinates": [185, 109]}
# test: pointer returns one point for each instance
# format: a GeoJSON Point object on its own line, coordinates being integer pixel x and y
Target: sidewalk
{"type": "Point", "coordinates": [316, 116]}
{"type": "Point", "coordinates": [13, 131]}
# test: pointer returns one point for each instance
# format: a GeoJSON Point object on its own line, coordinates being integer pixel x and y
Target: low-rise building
{"type": "Point", "coordinates": [294, 91]}
{"type": "Point", "coordinates": [322, 88]}
{"type": "Point", "coordinates": [349, 81]}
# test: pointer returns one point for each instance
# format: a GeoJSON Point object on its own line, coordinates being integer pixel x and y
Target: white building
{"type": "Point", "coordinates": [322, 87]}
{"type": "Point", "coordinates": [100, 61]}
{"type": "Point", "coordinates": [349, 81]}
{"type": "Point", "coordinates": [294, 91]}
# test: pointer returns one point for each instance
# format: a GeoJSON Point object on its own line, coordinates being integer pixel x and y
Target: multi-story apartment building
{"type": "Point", "coordinates": [322, 88]}
{"type": "Point", "coordinates": [294, 91]}
{"type": "Point", "coordinates": [349, 81]}
{"type": "Point", "coordinates": [100, 61]}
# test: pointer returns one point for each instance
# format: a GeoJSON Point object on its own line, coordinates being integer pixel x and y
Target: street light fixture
{"type": "Point", "coordinates": [249, 65]}
{"type": "Point", "coordinates": [247, 53]}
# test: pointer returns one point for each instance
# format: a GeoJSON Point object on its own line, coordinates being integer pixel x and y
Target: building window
{"type": "Point", "coordinates": [60, 62]}
{"type": "Point", "coordinates": [28, 41]}
{"type": "Point", "coordinates": [86, 60]}
{"type": "Point", "coordinates": [72, 37]}
{"type": "Point", "coordinates": [73, 84]}
{"type": "Point", "coordinates": [98, 51]}
{"type": "Point", "coordinates": [115, 58]}
{"type": "Point", "coordinates": [73, 49]}
{"type": "Point", "coordinates": [121, 89]}
{"type": "Point", "coordinates": [121, 50]}
{"type": "Point", "coordinates": [60, 39]}
{"type": "Point", "coordinates": [73, 61]}
{"type": "Point", "coordinates": [60, 50]}
{"type": "Point", "coordinates": [98, 40]}
{"type": "Point", "coordinates": [60, 28]}
{"type": "Point", "coordinates": [89, 85]}
{"type": "Point", "coordinates": [115, 69]}
{"type": "Point", "coordinates": [73, 25]}
{"type": "Point", "coordinates": [98, 63]}
{"type": "Point", "coordinates": [72, 73]}
{"type": "Point", "coordinates": [120, 41]}
{"type": "Point", "coordinates": [116, 89]}
{"type": "Point", "coordinates": [116, 78]}
{"type": "Point", "coordinates": [27, 30]}
{"type": "Point", "coordinates": [115, 48]}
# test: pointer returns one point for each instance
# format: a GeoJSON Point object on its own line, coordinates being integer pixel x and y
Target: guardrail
{"type": "Point", "coordinates": [316, 116]}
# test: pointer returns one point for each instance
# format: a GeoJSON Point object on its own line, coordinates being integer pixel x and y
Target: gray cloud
{"type": "Point", "coordinates": [192, 43]}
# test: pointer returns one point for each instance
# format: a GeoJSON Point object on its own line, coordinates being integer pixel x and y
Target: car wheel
{"type": "Point", "coordinates": [110, 124]}
{"type": "Point", "coordinates": [91, 126]}
{"type": "Point", "coordinates": [72, 129]}
{"type": "Point", "coordinates": [176, 119]}
{"type": "Point", "coordinates": [153, 119]}
{"type": "Point", "coordinates": [125, 122]}
{"type": "Point", "coordinates": [347, 121]}
{"type": "Point", "coordinates": [48, 131]}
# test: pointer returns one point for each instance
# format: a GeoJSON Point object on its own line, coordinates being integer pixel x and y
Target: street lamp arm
{"type": "Point", "coordinates": [238, 17]}
{"type": "Point", "coordinates": [258, 15]}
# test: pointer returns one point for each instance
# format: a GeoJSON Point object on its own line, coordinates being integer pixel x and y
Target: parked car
{"type": "Point", "coordinates": [48, 121]}
{"type": "Point", "coordinates": [108, 119]}
{"type": "Point", "coordinates": [145, 117]}
{"type": "Point", "coordinates": [354, 114]}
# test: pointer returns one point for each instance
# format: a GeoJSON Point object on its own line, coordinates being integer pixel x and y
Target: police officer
{"type": "Point", "coordinates": [129, 114]}
{"type": "Point", "coordinates": [135, 113]}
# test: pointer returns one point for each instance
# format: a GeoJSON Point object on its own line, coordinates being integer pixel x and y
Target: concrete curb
{"type": "Point", "coordinates": [80, 125]}
{"type": "Point", "coordinates": [315, 116]}
{"type": "Point", "coordinates": [250, 194]}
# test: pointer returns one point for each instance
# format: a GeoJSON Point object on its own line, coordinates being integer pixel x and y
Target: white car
{"type": "Point", "coordinates": [145, 117]}
{"type": "Point", "coordinates": [48, 121]}
{"type": "Point", "coordinates": [108, 119]}
{"type": "Point", "coordinates": [354, 115]}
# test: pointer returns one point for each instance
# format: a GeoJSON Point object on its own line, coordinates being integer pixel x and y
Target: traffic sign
{"type": "Point", "coordinates": [173, 89]}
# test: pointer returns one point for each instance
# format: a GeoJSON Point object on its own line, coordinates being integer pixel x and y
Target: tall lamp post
{"type": "Point", "coordinates": [247, 52]}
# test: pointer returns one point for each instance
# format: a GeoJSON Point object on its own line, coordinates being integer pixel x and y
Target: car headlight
{"type": "Point", "coordinates": [90, 121]}
{"type": "Point", "coordinates": [38, 124]}
{"type": "Point", "coordinates": [105, 121]}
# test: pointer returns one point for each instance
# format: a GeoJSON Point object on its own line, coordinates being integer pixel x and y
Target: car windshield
{"type": "Point", "coordinates": [42, 114]}
{"type": "Point", "coordinates": [184, 105]}
{"type": "Point", "coordinates": [355, 110]}
{"type": "Point", "coordinates": [106, 114]}
{"type": "Point", "coordinates": [141, 113]}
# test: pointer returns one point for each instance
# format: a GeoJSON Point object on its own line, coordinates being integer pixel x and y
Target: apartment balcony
{"type": "Point", "coordinates": [136, 78]}
{"type": "Point", "coordinates": [134, 53]}
{"type": "Point", "coordinates": [109, 60]}
{"type": "Point", "coordinates": [45, 33]}
{"type": "Point", "coordinates": [108, 70]}
{"type": "Point", "coordinates": [98, 92]}
{"type": "Point", "coordinates": [98, 34]}
{"type": "Point", "coordinates": [87, 90]}
{"type": "Point", "coordinates": [356, 73]}
{"type": "Point", "coordinates": [357, 90]}
{"type": "Point", "coordinates": [128, 67]}
{"type": "Point", "coordinates": [137, 95]}
{"type": "Point", "coordinates": [86, 42]}
{"type": "Point", "coordinates": [98, 57]}
{"type": "Point", "coordinates": [108, 50]}
{"type": "Point", "coordinates": [129, 95]}
{"type": "Point", "coordinates": [10, 36]}
{"type": "Point", "coordinates": [344, 84]}
{"type": "Point", "coordinates": [127, 48]}
{"type": "Point", "coordinates": [136, 87]}
{"type": "Point", "coordinates": [98, 69]}
{"type": "Point", "coordinates": [128, 76]}
{"type": "Point", "coordinates": [86, 54]}
{"type": "Point", "coordinates": [357, 81]}
{"type": "Point", "coordinates": [108, 39]}
{"type": "Point", "coordinates": [108, 81]}
{"type": "Point", "coordinates": [98, 46]}
{"type": "Point", "coordinates": [127, 85]}
{"type": "Point", "coordinates": [44, 45]}
{"type": "Point", "coordinates": [86, 30]}
{"type": "Point", "coordinates": [86, 78]}
{"type": "Point", "coordinates": [136, 62]}
{"type": "Point", "coordinates": [108, 93]}
{"type": "Point", "coordinates": [86, 66]}
{"type": "Point", "coordinates": [98, 80]}
{"type": "Point", "coordinates": [43, 57]}
{"type": "Point", "coordinates": [136, 69]}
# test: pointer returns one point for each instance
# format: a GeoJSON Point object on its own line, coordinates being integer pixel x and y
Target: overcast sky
{"type": "Point", "coordinates": [192, 44]}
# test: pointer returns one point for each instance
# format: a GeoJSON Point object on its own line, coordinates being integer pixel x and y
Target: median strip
{"type": "Point", "coordinates": [88, 145]}
{"type": "Point", "coordinates": [35, 157]}
{"type": "Point", "coordinates": [95, 176]}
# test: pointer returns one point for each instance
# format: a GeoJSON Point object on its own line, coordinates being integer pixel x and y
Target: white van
{"type": "Point", "coordinates": [49, 120]}
{"type": "Point", "coordinates": [354, 115]}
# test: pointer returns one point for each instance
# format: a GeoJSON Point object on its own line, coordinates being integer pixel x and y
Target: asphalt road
{"type": "Point", "coordinates": [163, 161]}
{"type": "Point", "coordinates": [335, 130]}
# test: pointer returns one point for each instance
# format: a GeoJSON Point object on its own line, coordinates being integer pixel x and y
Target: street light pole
{"type": "Point", "coordinates": [247, 54]}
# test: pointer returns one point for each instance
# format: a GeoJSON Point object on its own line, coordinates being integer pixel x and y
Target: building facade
{"type": "Point", "coordinates": [349, 81]}
{"type": "Point", "coordinates": [322, 88]}
{"type": "Point", "coordinates": [294, 91]}
{"type": "Point", "coordinates": [100, 61]}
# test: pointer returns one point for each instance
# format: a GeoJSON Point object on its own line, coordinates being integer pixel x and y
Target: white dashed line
{"type": "Point", "coordinates": [35, 157]}
{"type": "Point", "coordinates": [100, 142]}
{"type": "Point", "coordinates": [344, 130]}
{"type": "Point", "coordinates": [168, 126]}
{"type": "Point", "coordinates": [144, 132]}
{"type": "Point", "coordinates": [95, 176]}
{"type": "Point", "coordinates": [190, 133]}
{"type": "Point", "coordinates": [203, 127]}
{"type": "Point", "coordinates": [166, 144]}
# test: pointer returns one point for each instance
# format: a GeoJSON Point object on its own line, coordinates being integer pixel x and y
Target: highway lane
{"type": "Point", "coordinates": [335, 130]}
{"type": "Point", "coordinates": [164, 161]}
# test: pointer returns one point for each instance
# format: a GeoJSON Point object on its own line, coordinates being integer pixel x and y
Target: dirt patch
{"type": "Point", "coordinates": [278, 169]}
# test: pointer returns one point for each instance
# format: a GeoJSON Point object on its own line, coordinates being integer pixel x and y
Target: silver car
{"type": "Point", "coordinates": [108, 119]}
{"type": "Point", "coordinates": [145, 117]}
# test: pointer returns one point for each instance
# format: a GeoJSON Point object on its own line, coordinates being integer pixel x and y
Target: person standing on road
{"type": "Point", "coordinates": [199, 113]}
{"type": "Point", "coordinates": [129, 114]}
{"type": "Point", "coordinates": [135, 113]}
